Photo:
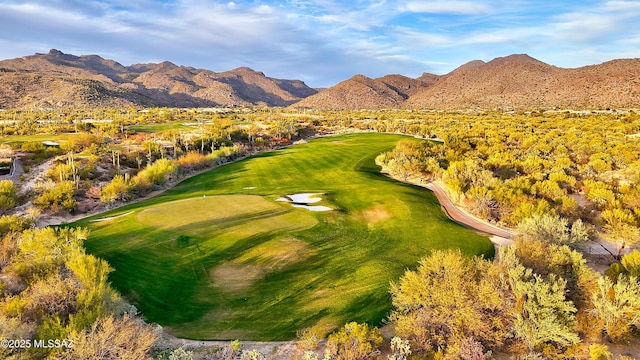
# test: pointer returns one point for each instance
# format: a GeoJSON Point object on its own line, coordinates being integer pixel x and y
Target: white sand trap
{"type": "Point", "coordinates": [302, 201]}
{"type": "Point", "coordinates": [112, 217]}
{"type": "Point", "coordinates": [305, 198]}
{"type": "Point", "coordinates": [313, 208]}
{"type": "Point", "coordinates": [250, 188]}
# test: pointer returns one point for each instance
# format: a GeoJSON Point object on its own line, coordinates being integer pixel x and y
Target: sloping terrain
{"type": "Point", "coordinates": [61, 80]}
{"type": "Point", "coordinates": [217, 257]}
{"type": "Point", "coordinates": [512, 82]}
{"type": "Point", "coordinates": [361, 92]}
{"type": "Point", "coordinates": [521, 82]}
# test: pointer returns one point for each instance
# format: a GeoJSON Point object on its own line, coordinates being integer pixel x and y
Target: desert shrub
{"type": "Point", "coordinates": [15, 223]}
{"type": "Point", "coordinates": [81, 142]}
{"type": "Point", "coordinates": [225, 151]}
{"type": "Point", "coordinates": [308, 339]}
{"type": "Point", "coordinates": [117, 190]}
{"type": "Point", "coordinates": [252, 355]}
{"type": "Point", "coordinates": [113, 338]}
{"type": "Point", "coordinates": [355, 341]}
{"type": "Point", "coordinates": [154, 174]}
{"type": "Point", "coordinates": [194, 161]}
{"type": "Point", "coordinates": [58, 197]}
{"type": "Point", "coordinates": [628, 266]}
{"type": "Point", "coordinates": [599, 352]}
{"type": "Point", "coordinates": [450, 297]}
{"type": "Point", "coordinates": [631, 263]}
{"type": "Point", "coordinates": [57, 291]}
{"type": "Point", "coordinates": [35, 147]}
{"type": "Point", "coordinates": [7, 195]}
{"type": "Point", "coordinates": [400, 349]}
{"type": "Point", "coordinates": [616, 305]}
{"type": "Point", "coordinates": [471, 350]}
{"type": "Point", "coordinates": [553, 229]}
{"type": "Point", "coordinates": [181, 354]}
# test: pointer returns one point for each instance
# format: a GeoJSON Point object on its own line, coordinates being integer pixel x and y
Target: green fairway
{"type": "Point", "coordinates": [19, 139]}
{"type": "Point", "coordinates": [216, 257]}
{"type": "Point", "coordinates": [151, 128]}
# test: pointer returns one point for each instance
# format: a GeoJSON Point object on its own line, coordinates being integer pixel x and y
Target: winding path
{"type": "Point", "coordinates": [464, 218]}
{"type": "Point", "coordinates": [500, 236]}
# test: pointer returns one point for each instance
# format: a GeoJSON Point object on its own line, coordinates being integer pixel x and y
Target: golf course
{"type": "Point", "coordinates": [217, 257]}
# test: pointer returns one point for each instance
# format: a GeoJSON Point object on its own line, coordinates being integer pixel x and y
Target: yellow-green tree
{"type": "Point", "coordinates": [542, 313]}
{"type": "Point", "coordinates": [7, 195]}
{"type": "Point", "coordinates": [449, 298]}
{"type": "Point", "coordinates": [355, 341]}
{"type": "Point", "coordinates": [617, 306]}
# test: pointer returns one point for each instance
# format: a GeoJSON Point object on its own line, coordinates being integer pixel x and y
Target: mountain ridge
{"type": "Point", "coordinates": [57, 79]}
{"type": "Point", "coordinates": [517, 81]}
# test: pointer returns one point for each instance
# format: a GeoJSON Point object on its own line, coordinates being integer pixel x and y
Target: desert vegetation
{"type": "Point", "coordinates": [385, 274]}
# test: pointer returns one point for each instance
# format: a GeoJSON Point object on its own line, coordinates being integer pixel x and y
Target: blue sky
{"type": "Point", "coordinates": [323, 42]}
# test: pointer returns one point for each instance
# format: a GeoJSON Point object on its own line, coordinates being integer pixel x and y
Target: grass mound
{"type": "Point", "coordinates": [227, 218]}
{"type": "Point", "coordinates": [217, 257]}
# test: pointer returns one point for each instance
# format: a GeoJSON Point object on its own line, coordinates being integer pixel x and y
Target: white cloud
{"type": "Point", "coordinates": [582, 27]}
{"type": "Point", "coordinates": [322, 41]}
{"type": "Point", "coordinates": [447, 7]}
{"type": "Point", "coordinates": [622, 6]}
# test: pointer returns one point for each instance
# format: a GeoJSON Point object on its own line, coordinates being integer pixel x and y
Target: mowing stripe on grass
{"type": "Point", "coordinates": [233, 265]}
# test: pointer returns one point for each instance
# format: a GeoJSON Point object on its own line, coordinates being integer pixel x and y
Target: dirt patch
{"type": "Point", "coordinates": [240, 274]}
{"type": "Point", "coordinates": [632, 349]}
{"type": "Point", "coordinates": [375, 215]}
{"type": "Point", "coordinates": [599, 262]}
{"type": "Point", "coordinates": [276, 254]}
{"type": "Point", "coordinates": [232, 277]}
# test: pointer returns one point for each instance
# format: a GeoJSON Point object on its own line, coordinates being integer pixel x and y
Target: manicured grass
{"type": "Point", "coordinates": [19, 139]}
{"type": "Point", "coordinates": [151, 128]}
{"type": "Point", "coordinates": [217, 258]}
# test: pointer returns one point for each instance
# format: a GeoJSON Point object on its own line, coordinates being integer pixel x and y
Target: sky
{"type": "Point", "coordinates": [323, 42]}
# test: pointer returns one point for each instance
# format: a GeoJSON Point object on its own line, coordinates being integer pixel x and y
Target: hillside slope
{"type": "Point", "coordinates": [519, 81]}
{"type": "Point", "coordinates": [63, 80]}
{"type": "Point", "coordinates": [361, 92]}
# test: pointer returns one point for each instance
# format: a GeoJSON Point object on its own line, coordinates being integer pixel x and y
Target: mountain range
{"type": "Point", "coordinates": [57, 79]}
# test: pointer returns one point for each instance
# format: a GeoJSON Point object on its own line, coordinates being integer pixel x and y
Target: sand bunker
{"type": "Point", "coordinates": [303, 200]}
{"type": "Point", "coordinates": [111, 217]}
{"type": "Point", "coordinates": [313, 208]}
